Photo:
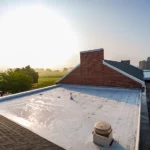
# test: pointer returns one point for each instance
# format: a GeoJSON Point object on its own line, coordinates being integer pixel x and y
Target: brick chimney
{"type": "Point", "coordinates": [92, 71]}
{"type": "Point", "coordinates": [91, 60]}
{"type": "Point", "coordinates": [91, 66]}
{"type": "Point", "coordinates": [92, 55]}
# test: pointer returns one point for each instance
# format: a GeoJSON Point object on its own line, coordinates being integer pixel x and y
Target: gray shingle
{"type": "Point", "coordinates": [132, 70]}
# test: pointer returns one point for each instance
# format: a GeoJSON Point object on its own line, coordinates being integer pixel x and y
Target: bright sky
{"type": "Point", "coordinates": [52, 33]}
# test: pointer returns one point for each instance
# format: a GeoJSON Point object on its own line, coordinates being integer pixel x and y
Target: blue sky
{"type": "Point", "coordinates": [121, 27]}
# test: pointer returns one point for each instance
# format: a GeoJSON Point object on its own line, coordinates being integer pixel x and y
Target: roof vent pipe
{"type": "Point", "coordinates": [102, 134]}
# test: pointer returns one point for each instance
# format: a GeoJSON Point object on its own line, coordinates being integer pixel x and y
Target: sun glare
{"type": "Point", "coordinates": [37, 36]}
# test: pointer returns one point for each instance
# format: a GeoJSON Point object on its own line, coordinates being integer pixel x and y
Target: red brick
{"type": "Point", "coordinates": [92, 72]}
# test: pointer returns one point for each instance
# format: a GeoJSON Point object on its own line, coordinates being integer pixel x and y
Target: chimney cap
{"type": "Point", "coordinates": [94, 50]}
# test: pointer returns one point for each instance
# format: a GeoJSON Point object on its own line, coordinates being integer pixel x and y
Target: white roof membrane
{"type": "Point", "coordinates": [69, 123]}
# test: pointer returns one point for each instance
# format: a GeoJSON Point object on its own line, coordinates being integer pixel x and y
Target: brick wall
{"type": "Point", "coordinates": [92, 72]}
{"type": "Point", "coordinates": [114, 78]}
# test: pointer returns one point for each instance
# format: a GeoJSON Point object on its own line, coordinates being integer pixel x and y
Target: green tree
{"type": "Point", "coordinates": [48, 70]}
{"type": "Point", "coordinates": [4, 87]}
{"type": "Point", "coordinates": [30, 71]}
{"type": "Point", "coordinates": [19, 82]}
{"type": "Point", "coordinates": [56, 71]}
{"type": "Point", "coordinates": [14, 82]}
{"type": "Point", "coordinates": [65, 69]}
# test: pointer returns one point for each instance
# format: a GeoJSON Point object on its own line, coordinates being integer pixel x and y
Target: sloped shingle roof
{"type": "Point", "coordinates": [131, 70]}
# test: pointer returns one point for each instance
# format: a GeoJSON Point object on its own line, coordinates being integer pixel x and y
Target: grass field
{"type": "Point", "coordinates": [47, 79]}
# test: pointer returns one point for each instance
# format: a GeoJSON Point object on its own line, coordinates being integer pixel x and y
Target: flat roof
{"type": "Point", "coordinates": [69, 123]}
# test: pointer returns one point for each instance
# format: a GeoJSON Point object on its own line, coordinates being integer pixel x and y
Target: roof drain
{"type": "Point", "coordinates": [71, 96]}
{"type": "Point", "coordinates": [102, 134]}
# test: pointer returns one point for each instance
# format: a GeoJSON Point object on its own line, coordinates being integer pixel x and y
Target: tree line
{"type": "Point", "coordinates": [17, 80]}
{"type": "Point", "coordinates": [41, 70]}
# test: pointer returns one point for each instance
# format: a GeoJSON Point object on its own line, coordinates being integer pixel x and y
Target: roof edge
{"type": "Point", "coordinates": [94, 50]}
{"type": "Point", "coordinates": [68, 73]}
{"type": "Point", "coordinates": [139, 125]}
{"type": "Point", "coordinates": [124, 73]}
{"type": "Point", "coordinates": [26, 93]}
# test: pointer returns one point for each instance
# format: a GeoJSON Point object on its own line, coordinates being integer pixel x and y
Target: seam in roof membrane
{"type": "Point", "coordinates": [124, 73]}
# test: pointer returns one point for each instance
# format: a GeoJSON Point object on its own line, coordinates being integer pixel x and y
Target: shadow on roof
{"type": "Point", "coordinates": [120, 95]}
{"type": "Point", "coordinates": [114, 146]}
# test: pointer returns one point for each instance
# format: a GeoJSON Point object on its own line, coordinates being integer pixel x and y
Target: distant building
{"type": "Point", "coordinates": [145, 65]}
{"type": "Point", "coordinates": [148, 63]}
{"type": "Point", "coordinates": [148, 58]}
